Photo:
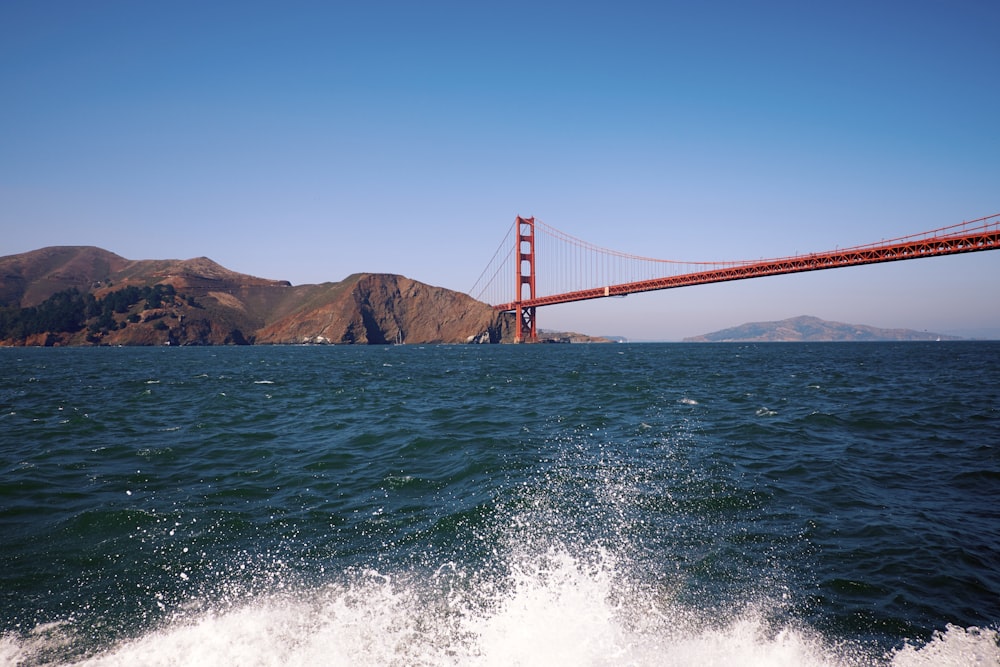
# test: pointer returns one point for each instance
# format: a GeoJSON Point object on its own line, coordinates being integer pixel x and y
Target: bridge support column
{"type": "Point", "coordinates": [525, 330]}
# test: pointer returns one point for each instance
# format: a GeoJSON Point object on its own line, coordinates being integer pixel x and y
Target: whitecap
{"type": "Point", "coordinates": [955, 646]}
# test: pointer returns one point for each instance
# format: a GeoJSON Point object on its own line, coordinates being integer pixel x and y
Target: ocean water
{"type": "Point", "coordinates": [676, 504]}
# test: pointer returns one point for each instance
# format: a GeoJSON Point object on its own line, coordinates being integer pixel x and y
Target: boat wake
{"type": "Point", "coordinates": [549, 608]}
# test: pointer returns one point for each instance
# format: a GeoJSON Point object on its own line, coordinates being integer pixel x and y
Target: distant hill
{"type": "Point", "coordinates": [82, 295]}
{"type": "Point", "coordinates": [811, 329]}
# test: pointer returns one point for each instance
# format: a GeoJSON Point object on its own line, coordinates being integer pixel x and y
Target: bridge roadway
{"type": "Point", "coordinates": [985, 237]}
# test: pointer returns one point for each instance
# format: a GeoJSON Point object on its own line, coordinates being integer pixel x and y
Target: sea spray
{"type": "Point", "coordinates": [552, 610]}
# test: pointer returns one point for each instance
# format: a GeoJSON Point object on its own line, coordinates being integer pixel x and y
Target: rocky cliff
{"type": "Point", "coordinates": [75, 295]}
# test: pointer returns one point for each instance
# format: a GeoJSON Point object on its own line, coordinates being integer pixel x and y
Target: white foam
{"type": "Point", "coordinates": [551, 608]}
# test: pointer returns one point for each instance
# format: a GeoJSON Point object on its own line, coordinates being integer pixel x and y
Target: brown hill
{"type": "Point", "coordinates": [30, 278]}
{"type": "Point", "coordinates": [197, 301]}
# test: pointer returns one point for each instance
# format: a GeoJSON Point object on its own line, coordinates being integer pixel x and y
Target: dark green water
{"type": "Point", "coordinates": [781, 504]}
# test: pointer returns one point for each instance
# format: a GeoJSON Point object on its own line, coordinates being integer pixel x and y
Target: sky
{"type": "Point", "coordinates": [307, 141]}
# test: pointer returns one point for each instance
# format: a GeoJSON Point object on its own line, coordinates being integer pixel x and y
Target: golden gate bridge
{"type": "Point", "coordinates": [575, 270]}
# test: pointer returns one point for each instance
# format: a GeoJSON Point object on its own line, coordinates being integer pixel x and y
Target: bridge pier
{"type": "Point", "coordinates": [525, 332]}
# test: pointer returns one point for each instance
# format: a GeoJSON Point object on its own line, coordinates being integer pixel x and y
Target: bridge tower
{"type": "Point", "coordinates": [525, 278]}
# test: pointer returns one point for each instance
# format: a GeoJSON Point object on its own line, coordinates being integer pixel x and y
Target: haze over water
{"type": "Point", "coordinates": [660, 504]}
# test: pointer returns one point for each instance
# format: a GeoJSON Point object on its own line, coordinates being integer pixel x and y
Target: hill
{"type": "Point", "coordinates": [811, 329]}
{"type": "Point", "coordinates": [82, 295]}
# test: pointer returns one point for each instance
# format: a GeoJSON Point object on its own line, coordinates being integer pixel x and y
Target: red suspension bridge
{"type": "Point", "coordinates": [576, 270]}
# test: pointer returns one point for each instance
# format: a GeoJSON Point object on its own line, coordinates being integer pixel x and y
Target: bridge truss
{"type": "Point", "coordinates": [575, 270]}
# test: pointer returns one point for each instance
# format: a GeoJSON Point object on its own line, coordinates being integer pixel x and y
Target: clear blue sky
{"type": "Point", "coordinates": [310, 140]}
